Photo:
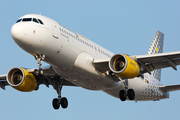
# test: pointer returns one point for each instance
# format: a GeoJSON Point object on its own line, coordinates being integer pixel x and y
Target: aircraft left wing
{"type": "Point", "coordinates": [147, 62]}
{"type": "Point", "coordinates": [49, 78]}
{"type": "Point", "coordinates": [158, 61]}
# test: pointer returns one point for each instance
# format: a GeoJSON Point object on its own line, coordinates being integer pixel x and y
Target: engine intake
{"type": "Point", "coordinates": [123, 66]}
{"type": "Point", "coordinates": [21, 80]}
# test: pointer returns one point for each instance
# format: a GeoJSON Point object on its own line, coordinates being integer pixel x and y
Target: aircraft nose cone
{"type": "Point", "coordinates": [17, 32]}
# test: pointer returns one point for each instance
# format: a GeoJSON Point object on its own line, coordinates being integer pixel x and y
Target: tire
{"type": "Point", "coordinates": [55, 103]}
{"type": "Point", "coordinates": [41, 72]}
{"type": "Point", "coordinates": [122, 95]}
{"type": "Point", "coordinates": [36, 72]}
{"type": "Point", "coordinates": [131, 94]}
{"type": "Point", "coordinates": [64, 102]}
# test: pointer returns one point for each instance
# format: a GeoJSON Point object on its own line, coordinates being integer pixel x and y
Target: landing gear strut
{"type": "Point", "coordinates": [60, 100]}
{"type": "Point", "coordinates": [39, 59]}
{"type": "Point", "coordinates": [123, 94]}
{"type": "Point", "coordinates": [57, 84]}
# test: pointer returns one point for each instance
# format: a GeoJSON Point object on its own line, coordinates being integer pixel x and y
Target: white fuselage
{"type": "Point", "coordinates": [71, 56]}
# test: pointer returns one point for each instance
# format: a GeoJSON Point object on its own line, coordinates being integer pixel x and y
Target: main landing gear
{"type": "Point", "coordinates": [123, 94]}
{"type": "Point", "coordinates": [60, 100]}
{"type": "Point", "coordinates": [57, 84]}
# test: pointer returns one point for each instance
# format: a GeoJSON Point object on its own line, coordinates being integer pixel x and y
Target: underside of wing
{"type": "Point", "coordinates": [147, 62]}
{"type": "Point", "coordinates": [157, 61]}
{"type": "Point", "coordinates": [101, 65]}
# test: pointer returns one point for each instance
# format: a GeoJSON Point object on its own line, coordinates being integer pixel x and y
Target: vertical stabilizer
{"type": "Point", "coordinates": [157, 47]}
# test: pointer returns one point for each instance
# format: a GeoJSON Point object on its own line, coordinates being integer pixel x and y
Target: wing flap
{"type": "Point", "coordinates": [158, 61]}
{"type": "Point", "coordinates": [169, 88]}
{"type": "Point", "coordinates": [158, 57]}
{"type": "Point", "coordinates": [162, 64]}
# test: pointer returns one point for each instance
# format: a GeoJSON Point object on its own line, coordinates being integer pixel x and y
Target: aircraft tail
{"type": "Point", "coordinates": [157, 47]}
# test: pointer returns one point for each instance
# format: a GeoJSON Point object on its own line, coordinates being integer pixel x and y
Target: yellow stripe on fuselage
{"type": "Point", "coordinates": [82, 37]}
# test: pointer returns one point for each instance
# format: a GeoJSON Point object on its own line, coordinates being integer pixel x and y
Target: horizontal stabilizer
{"type": "Point", "coordinates": [169, 88]}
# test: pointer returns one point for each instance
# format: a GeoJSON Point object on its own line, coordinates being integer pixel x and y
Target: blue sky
{"type": "Point", "coordinates": [118, 25]}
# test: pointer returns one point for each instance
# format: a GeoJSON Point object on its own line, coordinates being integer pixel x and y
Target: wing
{"type": "Point", "coordinates": [169, 88]}
{"type": "Point", "coordinates": [147, 62]}
{"type": "Point", "coordinates": [158, 61]}
{"type": "Point", "coordinates": [49, 78]}
{"type": "Point", "coordinates": [101, 65]}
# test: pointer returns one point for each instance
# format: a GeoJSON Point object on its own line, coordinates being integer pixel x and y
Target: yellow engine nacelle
{"type": "Point", "coordinates": [21, 80]}
{"type": "Point", "coordinates": [123, 66]}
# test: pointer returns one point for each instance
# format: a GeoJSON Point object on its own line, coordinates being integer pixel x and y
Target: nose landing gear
{"type": "Point", "coordinates": [39, 59]}
{"type": "Point", "coordinates": [57, 84]}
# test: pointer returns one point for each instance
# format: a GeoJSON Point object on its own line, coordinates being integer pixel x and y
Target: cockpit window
{"type": "Point", "coordinates": [40, 21]}
{"type": "Point", "coordinates": [30, 20]}
{"type": "Point", "coordinates": [35, 20]}
{"type": "Point", "coordinates": [26, 19]}
{"type": "Point", "coordinates": [19, 20]}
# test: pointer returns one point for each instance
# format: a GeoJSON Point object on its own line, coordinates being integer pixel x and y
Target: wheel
{"type": "Point", "coordinates": [36, 72]}
{"type": "Point", "coordinates": [64, 102]}
{"type": "Point", "coordinates": [39, 72]}
{"type": "Point", "coordinates": [55, 103]}
{"type": "Point", "coordinates": [131, 94]}
{"type": "Point", "coordinates": [122, 95]}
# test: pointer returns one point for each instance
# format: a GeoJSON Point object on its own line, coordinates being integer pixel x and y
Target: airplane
{"type": "Point", "coordinates": [74, 60]}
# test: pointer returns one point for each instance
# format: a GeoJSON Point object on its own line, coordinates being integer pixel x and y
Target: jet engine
{"type": "Point", "coordinates": [21, 80]}
{"type": "Point", "coordinates": [124, 66]}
